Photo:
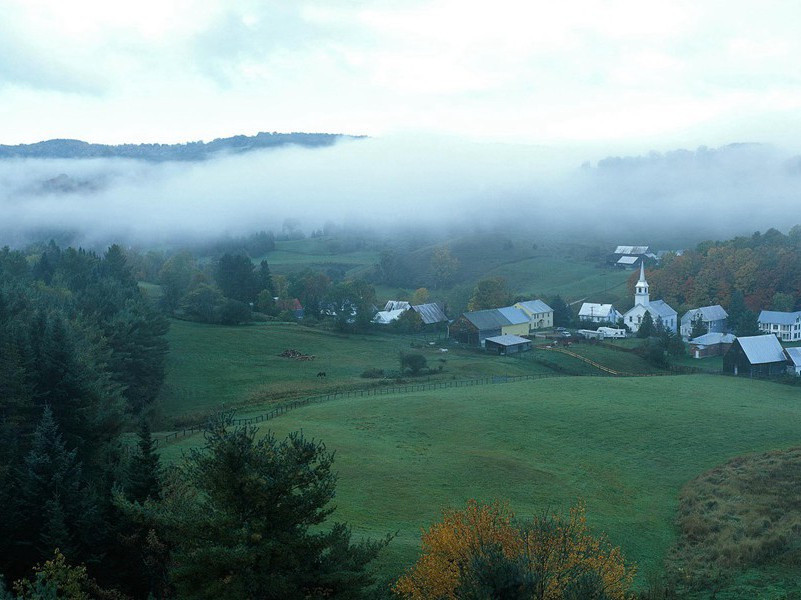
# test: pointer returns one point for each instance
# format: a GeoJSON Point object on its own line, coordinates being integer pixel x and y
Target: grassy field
{"type": "Point", "coordinates": [626, 446]}
{"type": "Point", "coordinates": [318, 254]}
{"type": "Point", "coordinates": [212, 366]}
{"type": "Point", "coordinates": [545, 276]}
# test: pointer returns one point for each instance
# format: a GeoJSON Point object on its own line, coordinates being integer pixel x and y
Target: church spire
{"type": "Point", "coordinates": [641, 295]}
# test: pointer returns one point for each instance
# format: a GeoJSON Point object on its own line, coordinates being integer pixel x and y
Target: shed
{"type": "Point", "coordinates": [507, 344]}
{"type": "Point", "coordinates": [711, 344]}
{"type": "Point", "coordinates": [794, 361]}
{"type": "Point", "coordinates": [755, 356]}
{"type": "Point", "coordinates": [628, 262]}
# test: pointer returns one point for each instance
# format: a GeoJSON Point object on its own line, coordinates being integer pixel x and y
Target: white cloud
{"type": "Point", "coordinates": [613, 70]}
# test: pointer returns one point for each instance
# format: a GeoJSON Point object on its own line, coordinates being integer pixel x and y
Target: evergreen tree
{"type": "Point", "coordinates": [646, 329]}
{"type": "Point", "coordinates": [252, 523]}
{"type": "Point", "coordinates": [144, 469]}
{"type": "Point", "coordinates": [698, 328]}
{"type": "Point", "coordinates": [562, 315]}
{"type": "Point", "coordinates": [52, 507]}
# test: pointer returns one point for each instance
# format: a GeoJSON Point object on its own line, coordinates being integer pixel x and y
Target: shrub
{"type": "Point", "coordinates": [413, 362]}
{"type": "Point", "coordinates": [482, 552]}
{"type": "Point", "coordinates": [373, 373]}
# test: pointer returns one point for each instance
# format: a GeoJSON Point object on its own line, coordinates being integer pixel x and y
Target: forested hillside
{"type": "Point", "coordinates": [764, 268]}
{"type": "Point", "coordinates": [161, 152]}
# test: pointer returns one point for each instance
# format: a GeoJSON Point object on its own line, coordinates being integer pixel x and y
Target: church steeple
{"type": "Point", "coordinates": [641, 295]}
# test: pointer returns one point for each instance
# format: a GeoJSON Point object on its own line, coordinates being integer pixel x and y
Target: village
{"type": "Point", "coordinates": [705, 330]}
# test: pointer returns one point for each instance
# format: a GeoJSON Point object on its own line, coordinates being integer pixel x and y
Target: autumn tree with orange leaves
{"type": "Point", "coordinates": [481, 551]}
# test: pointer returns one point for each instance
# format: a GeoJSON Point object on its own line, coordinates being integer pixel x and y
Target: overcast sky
{"type": "Point", "coordinates": [632, 75]}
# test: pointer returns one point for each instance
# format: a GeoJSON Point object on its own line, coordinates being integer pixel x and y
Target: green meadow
{"type": "Point", "coordinates": [624, 446]}
{"type": "Point", "coordinates": [210, 367]}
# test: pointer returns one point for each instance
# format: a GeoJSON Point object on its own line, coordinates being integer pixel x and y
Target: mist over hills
{"type": "Point", "coordinates": [190, 151]}
{"type": "Point", "coordinates": [388, 183]}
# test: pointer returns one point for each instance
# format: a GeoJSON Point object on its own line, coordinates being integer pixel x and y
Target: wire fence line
{"type": "Point", "coordinates": [375, 391]}
{"type": "Point", "coordinates": [406, 389]}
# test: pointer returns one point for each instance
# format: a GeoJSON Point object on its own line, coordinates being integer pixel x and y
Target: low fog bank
{"type": "Point", "coordinates": [408, 182]}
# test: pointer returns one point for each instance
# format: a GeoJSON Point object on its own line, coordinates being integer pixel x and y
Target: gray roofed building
{"type": "Point", "coordinates": [397, 305]}
{"type": "Point", "coordinates": [761, 349]}
{"type": "Point", "coordinates": [713, 317]}
{"type": "Point", "coordinates": [662, 309]}
{"type": "Point", "coordinates": [431, 313]}
{"type": "Point", "coordinates": [779, 317]}
{"type": "Point", "coordinates": [784, 325]}
{"type": "Point", "coordinates": [507, 344]}
{"type": "Point", "coordinates": [709, 339]}
{"type": "Point", "coordinates": [756, 356]}
{"type": "Point", "coordinates": [490, 318]}
{"type": "Point", "coordinates": [628, 261]}
{"type": "Point", "coordinates": [514, 315]}
{"type": "Point", "coordinates": [508, 340]}
{"type": "Point", "coordinates": [631, 250]}
{"type": "Point", "coordinates": [535, 306]}
{"type": "Point", "coordinates": [794, 355]}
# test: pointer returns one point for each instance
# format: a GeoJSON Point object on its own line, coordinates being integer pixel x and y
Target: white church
{"type": "Point", "coordinates": [659, 309]}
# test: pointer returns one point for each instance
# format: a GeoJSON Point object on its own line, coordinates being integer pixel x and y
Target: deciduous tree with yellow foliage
{"type": "Point", "coordinates": [481, 551]}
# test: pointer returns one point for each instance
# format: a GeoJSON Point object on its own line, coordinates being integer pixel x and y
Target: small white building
{"type": "Point", "coordinates": [784, 325]}
{"type": "Point", "coordinates": [658, 309]}
{"type": "Point", "coordinates": [598, 313]}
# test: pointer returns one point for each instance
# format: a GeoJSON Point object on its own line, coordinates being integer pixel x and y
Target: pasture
{"type": "Point", "coordinates": [625, 446]}
{"type": "Point", "coordinates": [214, 366]}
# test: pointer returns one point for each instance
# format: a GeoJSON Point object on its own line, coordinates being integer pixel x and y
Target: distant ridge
{"type": "Point", "coordinates": [191, 151]}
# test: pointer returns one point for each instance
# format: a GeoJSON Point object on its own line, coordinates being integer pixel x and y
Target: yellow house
{"type": "Point", "coordinates": [519, 322]}
{"type": "Point", "coordinates": [539, 314]}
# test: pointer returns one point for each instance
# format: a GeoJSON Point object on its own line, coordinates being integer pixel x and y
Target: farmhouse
{"type": "Point", "coordinates": [540, 315]}
{"type": "Point", "coordinates": [658, 309]}
{"type": "Point", "coordinates": [755, 356]}
{"type": "Point", "coordinates": [793, 361]}
{"type": "Point", "coordinates": [712, 317]}
{"type": "Point", "coordinates": [507, 344]}
{"type": "Point", "coordinates": [711, 344]}
{"type": "Point", "coordinates": [598, 313]}
{"type": "Point", "coordinates": [784, 325]}
{"type": "Point", "coordinates": [475, 327]}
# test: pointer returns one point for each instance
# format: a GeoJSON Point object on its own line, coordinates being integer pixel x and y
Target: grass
{"type": "Point", "coordinates": [738, 516]}
{"type": "Point", "coordinates": [626, 446]}
{"type": "Point", "coordinates": [623, 362]}
{"type": "Point", "coordinates": [214, 366]}
{"type": "Point", "coordinates": [318, 254]}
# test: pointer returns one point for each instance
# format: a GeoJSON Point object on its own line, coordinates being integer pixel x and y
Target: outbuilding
{"type": "Point", "coordinates": [507, 344]}
{"type": "Point", "coordinates": [793, 361]}
{"type": "Point", "coordinates": [711, 344]}
{"type": "Point", "coordinates": [755, 356]}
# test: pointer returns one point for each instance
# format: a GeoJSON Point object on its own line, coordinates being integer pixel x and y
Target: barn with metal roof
{"type": "Point", "coordinates": [755, 356]}
{"type": "Point", "coordinates": [431, 313]}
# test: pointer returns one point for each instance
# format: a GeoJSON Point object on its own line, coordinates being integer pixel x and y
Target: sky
{"type": "Point", "coordinates": [616, 75]}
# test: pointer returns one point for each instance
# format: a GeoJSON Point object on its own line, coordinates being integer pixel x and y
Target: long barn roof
{"type": "Point", "coordinates": [761, 349]}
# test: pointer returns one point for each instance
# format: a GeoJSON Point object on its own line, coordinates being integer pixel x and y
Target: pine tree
{"type": "Point", "coordinates": [144, 469]}
{"type": "Point", "coordinates": [646, 326]}
{"type": "Point", "coordinates": [251, 524]}
{"type": "Point", "coordinates": [52, 506]}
